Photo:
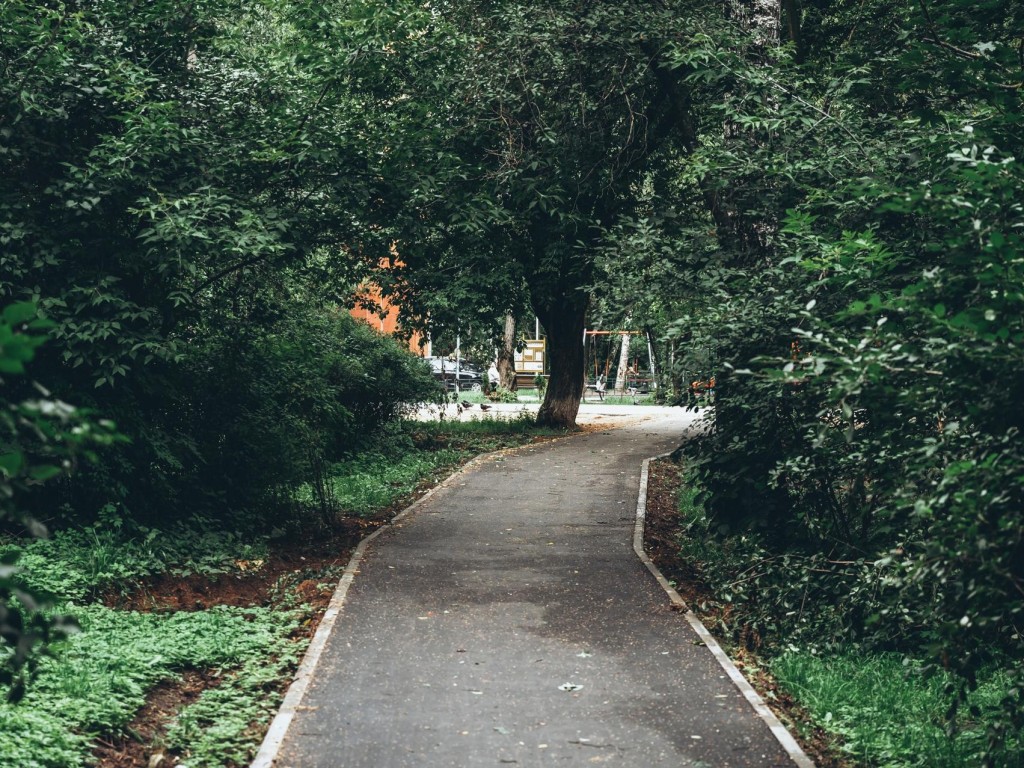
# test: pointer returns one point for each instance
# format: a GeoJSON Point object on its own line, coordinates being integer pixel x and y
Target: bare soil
{"type": "Point", "coordinates": [140, 744]}
{"type": "Point", "coordinates": [661, 535]}
{"type": "Point", "coordinates": [250, 584]}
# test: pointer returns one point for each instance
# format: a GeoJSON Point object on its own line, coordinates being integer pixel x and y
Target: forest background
{"type": "Point", "coordinates": [819, 200]}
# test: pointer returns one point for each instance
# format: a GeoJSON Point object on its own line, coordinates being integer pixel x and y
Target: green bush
{"type": "Point", "coordinates": [502, 395]}
{"type": "Point", "coordinates": [269, 409]}
{"type": "Point", "coordinates": [252, 412]}
{"type": "Point", "coordinates": [865, 308]}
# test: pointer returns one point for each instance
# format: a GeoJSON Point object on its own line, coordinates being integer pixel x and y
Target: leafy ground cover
{"type": "Point", "coordinates": [188, 636]}
{"type": "Point", "coordinates": [848, 706]}
{"type": "Point", "coordinates": [98, 679]}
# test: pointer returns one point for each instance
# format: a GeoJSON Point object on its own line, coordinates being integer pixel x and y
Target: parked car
{"type": "Point", "coordinates": [449, 372]}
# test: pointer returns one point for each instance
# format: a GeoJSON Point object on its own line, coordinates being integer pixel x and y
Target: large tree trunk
{"type": "Point", "coordinates": [564, 325]}
{"type": "Point", "coordinates": [507, 354]}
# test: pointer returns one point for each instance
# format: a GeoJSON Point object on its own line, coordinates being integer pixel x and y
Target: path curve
{"type": "Point", "coordinates": [507, 621]}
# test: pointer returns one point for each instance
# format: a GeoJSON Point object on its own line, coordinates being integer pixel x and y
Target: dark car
{"type": "Point", "coordinates": [468, 376]}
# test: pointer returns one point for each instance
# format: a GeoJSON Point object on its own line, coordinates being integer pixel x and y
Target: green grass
{"type": "Point", "coordinates": [98, 679]}
{"type": "Point", "coordinates": [78, 563]}
{"type": "Point", "coordinates": [374, 482]}
{"type": "Point", "coordinates": [522, 426]}
{"type": "Point", "coordinates": [612, 399]}
{"type": "Point", "coordinates": [889, 713]}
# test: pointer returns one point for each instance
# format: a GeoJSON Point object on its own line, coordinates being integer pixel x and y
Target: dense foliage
{"type": "Point", "coordinates": [186, 203]}
{"type": "Point", "coordinates": [864, 298]}
{"type": "Point", "coordinates": [41, 439]}
{"type": "Point", "coordinates": [178, 196]}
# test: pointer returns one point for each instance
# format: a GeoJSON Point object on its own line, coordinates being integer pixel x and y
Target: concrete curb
{"type": "Point", "coordinates": [292, 703]}
{"type": "Point", "coordinates": [784, 737]}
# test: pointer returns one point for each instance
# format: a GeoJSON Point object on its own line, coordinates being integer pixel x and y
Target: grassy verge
{"type": "Point", "coordinates": [888, 711]}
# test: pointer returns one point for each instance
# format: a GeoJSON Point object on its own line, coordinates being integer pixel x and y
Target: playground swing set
{"type": "Point", "coordinates": [633, 382]}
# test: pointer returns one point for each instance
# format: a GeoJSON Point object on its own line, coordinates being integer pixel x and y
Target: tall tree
{"type": "Point", "coordinates": [547, 115]}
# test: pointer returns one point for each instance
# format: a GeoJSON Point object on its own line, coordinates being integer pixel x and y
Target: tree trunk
{"type": "Point", "coordinates": [564, 326]}
{"type": "Point", "coordinates": [657, 372]}
{"type": "Point", "coordinates": [620, 372]}
{"type": "Point", "coordinates": [792, 14]}
{"type": "Point", "coordinates": [507, 355]}
{"type": "Point", "coordinates": [679, 384]}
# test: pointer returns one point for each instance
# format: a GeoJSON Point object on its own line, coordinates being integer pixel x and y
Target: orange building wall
{"type": "Point", "coordinates": [385, 317]}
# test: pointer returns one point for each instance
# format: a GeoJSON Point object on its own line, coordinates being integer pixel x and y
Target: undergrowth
{"type": "Point", "coordinates": [369, 484]}
{"type": "Point", "coordinates": [889, 712]}
{"type": "Point", "coordinates": [794, 610]}
{"type": "Point", "coordinates": [77, 564]}
{"type": "Point", "coordinates": [98, 679]}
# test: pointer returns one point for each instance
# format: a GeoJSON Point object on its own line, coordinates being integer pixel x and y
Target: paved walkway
{"type": "Point", "coordinates": [508, 622]}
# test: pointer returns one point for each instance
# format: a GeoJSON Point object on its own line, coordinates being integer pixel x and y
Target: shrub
{"type": "Point", "coordinates": [266, 413]}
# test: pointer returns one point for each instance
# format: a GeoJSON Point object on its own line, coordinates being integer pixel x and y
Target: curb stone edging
{"type": "Point", "coordinates": [783, 736]}
{"type": "Point", "coordinates": [267, 754]}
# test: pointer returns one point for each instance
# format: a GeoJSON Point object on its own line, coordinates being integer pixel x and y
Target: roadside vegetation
{"type": "Point", "coordinates": [884, 706]}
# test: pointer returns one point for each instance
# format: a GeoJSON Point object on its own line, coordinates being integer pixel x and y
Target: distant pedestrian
{"type": "Point", "coordinates": [599, 387]}
{"type": "Point", "coordinates": [493, 377]}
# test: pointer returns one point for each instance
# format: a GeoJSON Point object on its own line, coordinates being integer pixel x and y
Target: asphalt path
{"type": "Point", "coordinates": [507, 621]}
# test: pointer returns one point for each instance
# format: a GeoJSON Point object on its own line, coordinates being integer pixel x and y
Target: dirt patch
{"type": "Point", "coordinates": [307, 571]}
{"type": "Point", "coordinates": [248, 582]}
{"type": "Point", "coordinates": [141, 744]}
{"type": "Point", "coordinates": [662, 530]}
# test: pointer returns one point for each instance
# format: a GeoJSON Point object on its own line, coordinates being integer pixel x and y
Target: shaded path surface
{"type": "Point", "coordinates": [469, 617]}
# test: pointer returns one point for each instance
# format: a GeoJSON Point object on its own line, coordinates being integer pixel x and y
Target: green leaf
{"type": "Point", "coordinates": [44, 472]}
{"type": "Point", "coordinates": [20, 313]}
{"type": "Point", "coordinates": [11, 463]}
